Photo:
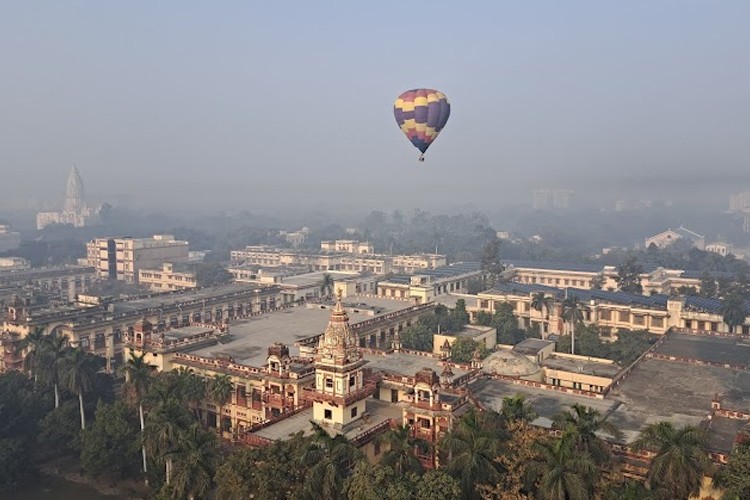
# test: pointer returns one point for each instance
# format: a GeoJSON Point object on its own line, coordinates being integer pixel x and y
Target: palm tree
{"type": "Point", "coordinates": [220, 389]}
{"type": "Point", "coordinates": [734, 310]}
{"type": "Point", "coordinates": [31, 345]}
{"type": "Point", "coordinates": [326, 285]}
{"type": "Point", "coordinates": [471, 448]}
{"type": "Point", "coordinates": [329, 461]}
{"type": "Point", "coordinates": [192, 387]}
{"type": "Point", "coordinates": [164, 425]}
{"type": "Point", "coordinates": [78, 370]}
{"type": "Point", "coordinates": [138, 378]}
{"type": "Point", "coordinates": [681, 459]}
{"type": "Point", "coordinates": [540, 302]}
{"type": "Point", "coordinates": [401, 450]}
{"type": "Point", "coordinates": [517, 409]}
{"type": "Point", "coordinates": [572, 312]}
{"type": "Point", "coordinates": [580, 426]}
{"type": "Point", "coordinates": [195, 459]}
{"type": "Point", "coordinates": [54, 353]}
{"type": "Point", "coordinates": [562, 472]}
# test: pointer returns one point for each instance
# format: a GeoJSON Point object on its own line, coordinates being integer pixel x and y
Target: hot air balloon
{"type": "Point", "coordinates": [421, 114]}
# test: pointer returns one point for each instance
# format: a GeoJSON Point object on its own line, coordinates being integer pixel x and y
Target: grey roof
{"type": "Point", "coordinates": [448, 271]}
{"type": "Point", "coordinates": [530, 347]}
{"type": "Point", "coordinates": [562, 266]}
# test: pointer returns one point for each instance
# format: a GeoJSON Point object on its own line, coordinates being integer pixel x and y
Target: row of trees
{"type": "Point", "coordinates": [419, 335]}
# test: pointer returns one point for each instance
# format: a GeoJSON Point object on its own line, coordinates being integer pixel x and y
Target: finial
{"type": "Point", "coordinates": [339, 293]}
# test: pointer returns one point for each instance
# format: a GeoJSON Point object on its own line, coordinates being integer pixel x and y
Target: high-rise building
{"type": "Point", "coordinates": [74, 211]}
{"type": "Point", "coordinates": [739, 202]}
{"type": "Point", "coordinates": [544, 199]}
{"type": "Point", "coordinates": [122, 258]}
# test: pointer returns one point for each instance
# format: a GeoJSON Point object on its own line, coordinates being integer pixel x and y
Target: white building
{"type": "Point", "coordinates": [670, 236]}
{"type": "Point", "coordinates": [122, 258]}
{"type": "Point", "coordinates": [75, 212]}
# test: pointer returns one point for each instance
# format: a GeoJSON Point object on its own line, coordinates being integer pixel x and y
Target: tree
{"type": "Point", "coordinates": [572, 312]}
{"type": "Point", "coordinates": [506, 324]}
{"type": "Point", "coordinates": [54, 352]}
{"type": "Point", "coordinates": [32, 346]}
{"type": "Point", "coordinates": [597, 282]}
{"type": "Point", "coordinates": [164, 425]}
{"type": "Point", "coordinates": [111, 444]}
{"type": "Point", "coordinates": [463, 349]}
{"type": "Point", "coordinates": [483, 318]}
{"type": "Point", "coordinates": [212, 274]}
{"type": "Point", "coordinates": [138, 380]}
{"type": "Point", "coordinates": [628, 275]}
{"type": "Point", "coordinates": [681, 459]}
{"type": "Point", "coordinates": [542, 302]}
{"type": "Point", "coordinates": [580, 426]}
{"type": "Point", "coordinates": [490, 261]}
{"type": "Point", "coordinates": [459, 316]}
{"type": "Point", "coordinates": [326, 285]}
{"type": "Point", "coordinates": [437, 484]}
{"type": "Point", "coordinates": [470, 449]}
{"type": "Point", "coordinates": [517, 409]}
{"type": "Point", "coordinates": [401, 450]}
{"type": "Point", "coordinates": [734, 310]}
{"type": "Point", "coordinates": [329, 461]}
{"type": "Point", "coordinates": [418, 337]}
{"type": "Point", "coordinates": [708, 287]}
{"type": "Point", "coordinates": [220, 390]}
{"type": "Point", "coordinates": [195, 459]}
{"type": "Point", "coordinates": [734, 477]}
{"type": "Point", "coordinates": [563, 473]}
{"type": "Point", "coordinates": [21, 409]}
{"type": "Point", "coordinates": [379, 482]}
{"type": "Point", "coordinates": [191, 387]}
{"type": "Point", "coordinates": [78, 370]}
{"type": "Point", "coordinates": [59, 433]}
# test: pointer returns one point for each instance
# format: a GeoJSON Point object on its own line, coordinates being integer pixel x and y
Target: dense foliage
{"type": "Point", "coordinates": [626, 349]}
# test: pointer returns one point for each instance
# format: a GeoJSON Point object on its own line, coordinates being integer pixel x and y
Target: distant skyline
{"type": "Point", "coordinates": [242, 105]}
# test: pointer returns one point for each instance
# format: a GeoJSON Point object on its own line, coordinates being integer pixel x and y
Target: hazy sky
{"type": "Point", "coordinates": [247, 103]}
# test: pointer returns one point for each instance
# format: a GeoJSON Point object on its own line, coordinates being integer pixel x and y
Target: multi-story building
{"type": "Point", "coordinates": [347, 246]}
{"type": "Point", "coordinates": [586, 276]}
{"type": "Point", "coordinates": [610, 311]}
{"type": "Point", "coordinates": [122, 258]}
{"type": "Point", "coordinates": [721, 248]}
{"type": "Point", "coordinates": [335, 260]}
{"type": "Point", "coordinates": [427, 285]}
{"type": "Point", "coordinates": [61, 283]}
{"type": "Point", "coordinates": [13, 264]}
{"type": "Point", "coordinates": [670, 236]}
{"type": "Point", "coordinates": [739, 202]}
{"type": "Point", "coordinates": [75, 211]}
{"type": "Point", "coordinates": [9, 239]}
{"type": "Point", "coordinates": [307, 286]}
{"type": "Point", "coordinates": [170, 277]}
{"type": "Point", "coordinates": [100, 328]}
{"type": "Point", "coordinates": [544, 199]}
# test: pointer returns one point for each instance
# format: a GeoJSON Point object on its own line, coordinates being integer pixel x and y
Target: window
{"type": "Point", "coordinates": [352, 380]}
{"type": "Point", "coordinates": [354, 412]}
{"type": "Point", "coordinates": [555, 381]}
{"type": "Point", "coordinates": [638, 319]}
{"type": "Point", "coordinates": [329, 383]}
{"type": "Point", "coordinates": [577, 385]}
{"type": "Point", "coordinates": [657, 322]}
{"type": "Point", "coordinates": [624, 316]}
{"type": "Point", "coordinates": [424, 423]}
{"type": "Point", "coordinates": [327, 414]}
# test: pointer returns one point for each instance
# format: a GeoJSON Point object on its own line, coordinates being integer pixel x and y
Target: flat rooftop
{"type": "Point", "coordinates": [185, 332]}
{"type": "Point", "coordinates": [680, 393]}
{"type": "Point", "coordinates": [400, 363]}
{"type": "Point", "coordinates": [546, 403]}
{"type": "Point", "coordinates": [531, 347]}
{"type": "Point", "coordinates": [588, 367]}
{"type": "Point", "coordinates": [712, 349]}
{"type": "Point", "coordinates": [249, 338]}
{"type": "Point", "coordinates": [378, 411]}
{"type": "Point", "coordinates": [172, 298]}
{"type": "Point", "coordinates": [722, 432]}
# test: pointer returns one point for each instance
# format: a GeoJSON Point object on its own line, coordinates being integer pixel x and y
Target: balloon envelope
{"type": "Point", "coordinates": [422, 114]}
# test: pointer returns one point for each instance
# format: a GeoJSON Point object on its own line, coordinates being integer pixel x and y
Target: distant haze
{"type": "Point", "coordinates": [251, 105]}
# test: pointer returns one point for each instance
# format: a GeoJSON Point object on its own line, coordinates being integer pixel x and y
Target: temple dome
{"type": "Point", "coordinates": [510, 364]}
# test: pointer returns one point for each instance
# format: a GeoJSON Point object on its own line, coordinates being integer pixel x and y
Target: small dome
{"type": "Point", "coordinates": [510, 364]}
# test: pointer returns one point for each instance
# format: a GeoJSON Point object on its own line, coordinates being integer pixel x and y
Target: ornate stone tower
{"type": "Point", "coordinates": [339, 397]}
{"type": "Point", "coordinates": [74, 194]}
